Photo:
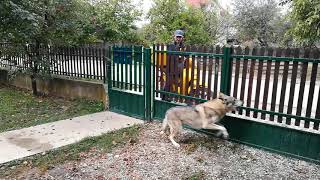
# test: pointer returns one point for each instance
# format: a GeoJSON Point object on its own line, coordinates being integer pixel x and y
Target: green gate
{"type": "Point", "coordinates": [128, 82]}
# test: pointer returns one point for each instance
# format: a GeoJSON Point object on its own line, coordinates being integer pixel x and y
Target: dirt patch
{"type": "Point", "coordinates": [201, 157]}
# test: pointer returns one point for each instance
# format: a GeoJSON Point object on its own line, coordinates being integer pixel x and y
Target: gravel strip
{"type": "Point", "coordinates": [200, 157]}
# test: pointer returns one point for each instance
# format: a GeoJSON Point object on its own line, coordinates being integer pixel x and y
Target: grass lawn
{"type": "Point", "coordinates": [19, 109]}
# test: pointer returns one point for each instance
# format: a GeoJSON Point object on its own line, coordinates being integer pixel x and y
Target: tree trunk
{"type": "Point", "coordinates": [35, 69]}
{"type": "Point", "coordinates": [34, 85]}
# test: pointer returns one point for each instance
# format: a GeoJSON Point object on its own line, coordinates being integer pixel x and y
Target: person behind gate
{"type": "Point", "coordinates": [175, 64]}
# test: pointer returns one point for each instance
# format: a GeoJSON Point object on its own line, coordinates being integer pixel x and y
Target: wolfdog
{"type": "Point", "coordinates": [203, 115]}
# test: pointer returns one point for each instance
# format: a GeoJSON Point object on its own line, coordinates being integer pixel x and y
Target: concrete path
{"type": "Point", "coordinates": [21, 143]}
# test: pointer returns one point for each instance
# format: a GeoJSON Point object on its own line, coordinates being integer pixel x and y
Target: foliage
{"type": "Point", "coordinates": [61, 22]}
{"type": "Point", "coordinates": [48, 21]}
{"type": "Point", "coordinates": [168, 15]}
{"type": "Point", "coordinates": [114, 20]}
{"type": "Point", "coordinates": [225, 27]}
{"type": "Point", "coordinates": [305, 16]}
{"type": "Point", "coordinates": [253, 20]}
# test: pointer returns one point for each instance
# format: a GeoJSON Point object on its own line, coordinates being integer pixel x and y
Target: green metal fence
{"type": "Point", "coordinates": [280, 88]}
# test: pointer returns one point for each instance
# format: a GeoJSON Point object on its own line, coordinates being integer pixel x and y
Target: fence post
{"type": "Point", "coordinates": [147, 85]}
{"type": "Point", "coordinates": [109, 66]}
{"type": "Point", "coordinates": [226, 71]}
{"type": "Point", "coordinates": [105, 53]}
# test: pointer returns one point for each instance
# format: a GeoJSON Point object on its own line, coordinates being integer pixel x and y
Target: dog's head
{"type": "Point", "coordinates": [231, 103]}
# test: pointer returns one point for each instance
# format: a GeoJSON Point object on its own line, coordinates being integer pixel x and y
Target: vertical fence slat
{"type": "Point", "coordinates": [175, 78]}
{"type": "Point", "coordinates": [63, 60]}
{"type": "Point", "coordinates": [70, 60]}
{"type": "Point", "coordinates": [251, 76]}
{"type": "Point", "coordinates": [113, 79]}
{"type": "Point", "coordinates": [168, 80]}
{"type": "Point", "coordinates": [141, 62]}
{"type": "Point", "coordinates": [121, 61]}
{"type": "Point", "coordinates": [197, 93]}
{"type": "Point", "coordinates": [59, 61]}
{"type": "Point", "coordinates": [237, 72]}
{"type": "Point", "coordinates": [78, 61]}
{"type": "Point", "coordinates": [187, 65]}
{"type": "Point", "coordinates": [311, 90]}
{"type": "Point", "coordinates": [317, 115]}
{"type": "Point", "coordinates": [99, 75]}
{"type": "Point", "coordinates": [172, 79]}
{"type": "Point", "coordinates": [302, 86]}
{"type": "Point", "coordinates": [93, 62]}
{"type": "Point", "coordinates": [117, 57]}
{"type": "Point", "coordinates": [204, 72]}
{"type": "Point", "coordinates": [74, 62]}
{"type": "Point", "coordinates": [266, 85]}
{"type": "Point", "coordinates": [57, 68]}
{"type": "Point", "coordinates": [259, 80]}
{"type": "Point", "coordinates": [126, 64]}
{"type": "Point", "coordinates": [98, 56]}
{"type": "Point", "coordinates": [284, 84]}
{"type": "Point", "coordinates": [84, 64]}
{"type": "Point", "coordinates": [131, 66]}
{"type": "Point", "coordinates": [135, 59]}
{"type": "Point", "coordinates": [87, 61]}
{"type": "Point", "coordinates": [275, 83]}
{"type": "Point", "coordinates": [209, 94]}
{"type": "Point", "coordinates": [104, 56]}
{"type": "Point", "coordinates": [192, 93]}
{"type": "Point", "coordinates": [292, 85]}
{"type": "Point", "coordinates": [180, 63]}
{"type": "Point", "coordinates": [74, 59]}
{"type": "Point", "coordinates": [162, 67]}
{"type": "Point", "coordinates": [216, 72]}
{"type": "Point", "coordinates": [244, 76]}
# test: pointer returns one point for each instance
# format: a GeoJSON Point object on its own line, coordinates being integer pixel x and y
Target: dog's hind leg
{"type": "Point", "coordinates": [164, 125]}
{"type": "Point", "coordinates": [173, 133]}
{"type": "Point", "coordinates": [174, 130]}
{"type": "Point", "coordinates": [222, 129]}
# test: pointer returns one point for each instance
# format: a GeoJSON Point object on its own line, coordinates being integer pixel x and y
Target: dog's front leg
{"type": "Point", "coordinates": [222, 129]}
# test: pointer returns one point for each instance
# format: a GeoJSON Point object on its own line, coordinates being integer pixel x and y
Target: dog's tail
{"type": "Point", "coordinates": [164, 125]}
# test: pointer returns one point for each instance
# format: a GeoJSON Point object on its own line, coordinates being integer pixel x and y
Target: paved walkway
{"type": "Point", "coordinates": [29, 141]}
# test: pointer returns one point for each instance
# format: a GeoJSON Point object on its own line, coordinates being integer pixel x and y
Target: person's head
{"type": "Point", "coordinates": [178, 36]}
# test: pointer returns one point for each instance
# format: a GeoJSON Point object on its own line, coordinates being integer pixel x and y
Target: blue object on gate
{"type": "Point", "coordinates": [122, 55]}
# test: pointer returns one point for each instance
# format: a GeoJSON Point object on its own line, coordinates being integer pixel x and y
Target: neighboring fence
{"type": "Point", "coordinates": [87, 62]}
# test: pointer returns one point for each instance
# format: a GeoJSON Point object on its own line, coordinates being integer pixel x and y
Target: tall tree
{"type": "Point", "coordinates": [253, 19]}
{"type": "Point", "coordinates": [305, 16]}
{"type": "Point", "coordinates": [41, 22]}
{"type": "Point", "coordinates": [63, 22]}
{"type": "Point", "coordinates": [114, 20]}
{"type": "Point", "coordinates": [168, 15]}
